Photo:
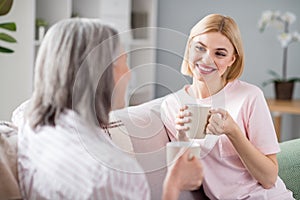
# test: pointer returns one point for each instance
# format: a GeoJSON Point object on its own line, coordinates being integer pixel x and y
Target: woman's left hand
{"type": "Point", "coordinates": [220, 122]}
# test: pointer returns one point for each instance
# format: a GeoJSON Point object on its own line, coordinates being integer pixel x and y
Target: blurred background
{"type": "Point", "coordinates": [154, 33]}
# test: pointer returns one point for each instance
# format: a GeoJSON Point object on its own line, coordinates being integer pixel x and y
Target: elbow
{"type": "Point", "coordinates": [270, 179]}
{"type": "Point", "coordinates": [267, 184]}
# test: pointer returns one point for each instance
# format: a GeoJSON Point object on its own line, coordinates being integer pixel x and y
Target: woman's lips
{"type": "Point", "coordinates": [205, 69]}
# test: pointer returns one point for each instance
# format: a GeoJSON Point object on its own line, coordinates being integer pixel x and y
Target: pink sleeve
{"type": "Point", "coordinates": [260, 126]}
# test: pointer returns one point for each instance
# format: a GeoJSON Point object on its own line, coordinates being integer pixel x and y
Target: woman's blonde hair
{"type": "Point", "coordinates": [74, 71]}
{"type": "Point", "coordinates": [227, 27]}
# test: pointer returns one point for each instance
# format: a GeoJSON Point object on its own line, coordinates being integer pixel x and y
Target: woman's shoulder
{"type": "Point", "coordinates": [172, 98]}
{"type": "Point", "coordinates": [180, 97]}
{"type": "Point", "coordinates": [245, 87]}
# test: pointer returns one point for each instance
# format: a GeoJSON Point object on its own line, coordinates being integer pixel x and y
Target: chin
{"type": "Point", "coordinates": [198, 77]}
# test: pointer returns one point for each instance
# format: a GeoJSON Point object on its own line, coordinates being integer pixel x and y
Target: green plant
{"type": "Point", "coordinates": [40, 22]}
{"type": "Point", "coordinates": [278, 78]}
{"type": "Point", "coordinates": [5, 6]}
{"type": "Point", "coordinates": [282, 22]}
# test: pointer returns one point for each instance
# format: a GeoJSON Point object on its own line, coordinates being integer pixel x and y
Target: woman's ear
{"type": "Point", "coordinates": [233, 59]}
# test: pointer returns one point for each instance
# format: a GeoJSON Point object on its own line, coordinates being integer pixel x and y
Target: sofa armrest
{"type": "Point", "coordinates": [9, 186]}
{"type": "Point", "coordinates": [148, 138]}
{"type": "Point", "coordinates": [289, 165]}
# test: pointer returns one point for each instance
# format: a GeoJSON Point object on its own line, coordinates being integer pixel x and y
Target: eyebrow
{"type": "Point", "coordinates": [219, 49]}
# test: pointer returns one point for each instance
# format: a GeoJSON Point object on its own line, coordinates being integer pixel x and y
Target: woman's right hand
{"type": "Point", "coordinates": [182, 118]}
{"type": "Point", "coordinates": [185, 174]}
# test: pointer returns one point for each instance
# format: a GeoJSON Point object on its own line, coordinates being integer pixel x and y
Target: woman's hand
{"type": "Point", "coordinates": [264, 168]}
{"type": "Point", "coordinates": [181, 119]}
{"type": "Point", "coordinates": [185, 174]}
{"type": "Point", "coordinates": [220, 122]}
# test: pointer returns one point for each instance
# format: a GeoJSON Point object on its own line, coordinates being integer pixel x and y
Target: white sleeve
{"type": "Point", "coordinates": [18, 114]}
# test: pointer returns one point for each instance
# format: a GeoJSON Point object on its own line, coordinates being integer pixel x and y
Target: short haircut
{"type": "Point", "coordinates": [227, 27]}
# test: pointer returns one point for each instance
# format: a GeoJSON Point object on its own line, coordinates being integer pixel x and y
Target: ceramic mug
{"type": "Point", "coordinates": [175, 149]}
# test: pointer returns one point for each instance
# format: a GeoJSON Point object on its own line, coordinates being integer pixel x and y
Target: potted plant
{"type": "Point", "coordinates": [5, 6]}
{"type": "Point", "coordinates": [284, 86]}
{"type": "Point", "coordinates": [40, 25]}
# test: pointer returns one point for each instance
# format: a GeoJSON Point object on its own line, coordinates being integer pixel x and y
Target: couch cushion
{"type": "Point", "coordinates": [9, 187]}
{"type": "Point", "coordinates": [289, 165]}
{"type": "Point", "coordinates": [146, 140]}
{"type": "Point", "coordinates": [143, 125]}
{"type": "Point", "coordinates": [119, 134]}
{"type": "Point", "coordinates": [147, 137]}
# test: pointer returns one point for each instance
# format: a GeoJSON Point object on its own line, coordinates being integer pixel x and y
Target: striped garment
{"type": "Point", "coordinates": [75, 160]}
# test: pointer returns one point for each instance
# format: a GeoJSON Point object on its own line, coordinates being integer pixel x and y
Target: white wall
{"type": "Point", "coordinates": [262, 50]}
{"type": "Point", "coordinates": [51, 12]}
{"type": "Point", "coordinates": [16, 69]}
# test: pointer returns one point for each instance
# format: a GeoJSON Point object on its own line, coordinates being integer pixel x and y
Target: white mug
{"type": "Point", "coordinates": [173, 150]}
{"type": "Point", "coordinates": [198, 120]}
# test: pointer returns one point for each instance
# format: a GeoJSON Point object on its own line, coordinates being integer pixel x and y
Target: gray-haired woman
{"type": "Point", "coordinates": [63, 152]}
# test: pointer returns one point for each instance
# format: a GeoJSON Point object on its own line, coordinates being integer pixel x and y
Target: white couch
{"type": "Point", "coordinates": [144, 136]}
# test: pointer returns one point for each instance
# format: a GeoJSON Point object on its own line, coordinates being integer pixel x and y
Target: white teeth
{"type": "Point", "coordinates": [206, 69]}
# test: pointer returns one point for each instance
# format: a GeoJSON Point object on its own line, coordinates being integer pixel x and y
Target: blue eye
{"type": "Point", "coordinates": [200, 48]}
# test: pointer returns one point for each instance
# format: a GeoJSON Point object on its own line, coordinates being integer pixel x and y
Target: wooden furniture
{"type": "Point", "coordinates": [279, 107]}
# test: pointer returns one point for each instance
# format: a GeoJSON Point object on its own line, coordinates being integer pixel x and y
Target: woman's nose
{"type": "Point", "coordinates": [206, 58]}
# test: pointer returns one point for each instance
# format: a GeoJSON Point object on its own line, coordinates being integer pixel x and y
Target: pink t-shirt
{"type": "Point", "coordinates": [225, 176]}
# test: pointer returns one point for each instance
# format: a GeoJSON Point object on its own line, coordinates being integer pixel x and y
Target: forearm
{"type": "Point", "coordinates": [263, 168]}
{"type": "Point", "coordinates": [185, 174]}
{"type": "Point", "coordinates": [169, 192]}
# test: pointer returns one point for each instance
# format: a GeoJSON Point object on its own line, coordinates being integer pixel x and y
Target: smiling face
{"type": "Point", "coordinates": [210, 56]}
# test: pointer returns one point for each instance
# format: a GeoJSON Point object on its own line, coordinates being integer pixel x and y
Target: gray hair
{"type": "Point", "coordinates": [74, 71]}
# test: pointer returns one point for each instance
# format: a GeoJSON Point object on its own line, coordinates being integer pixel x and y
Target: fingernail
{"type": "Point", "coordinates": [191, 156]}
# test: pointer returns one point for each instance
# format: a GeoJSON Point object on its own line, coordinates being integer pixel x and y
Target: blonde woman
{"type": "Point", "coordinates": [239, 152]}
{"type": "Point", "coordinates": [80, 76]}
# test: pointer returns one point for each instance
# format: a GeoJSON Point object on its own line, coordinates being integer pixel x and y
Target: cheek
{"type": "Point", "coordinates": [222, 66]}
{"type": "Point", "coordinates": [119, 91]}
{"type": "Point", "coordinates": [121, 73]}
{"type": "Point", "coordinates": [193, 56]}
{"type": "Point", "coordinates": [192, 59]}
{"type": "Point", "coordinates": [121, 78]}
